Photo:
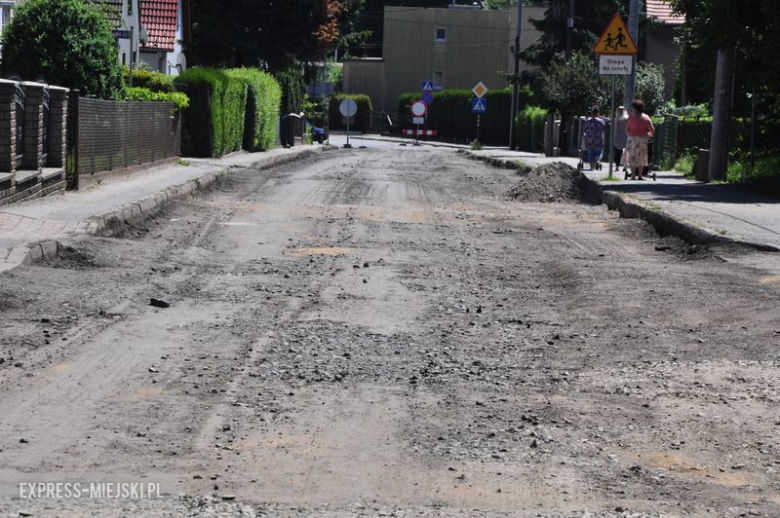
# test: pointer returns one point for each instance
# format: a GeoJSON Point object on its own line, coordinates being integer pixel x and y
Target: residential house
{"type": "Point", "coordinates": [166, 23]}
{"type": "Point", "coordinates": [6, 11]}
{"type": "Point", "coordinates": [455, 48]}
{"type": "Point", "coordinates": [660, 44]}
{"type": "Point", "coordinates": [149, 33]}
{"type": "Point", "coordinates": [460, 46]}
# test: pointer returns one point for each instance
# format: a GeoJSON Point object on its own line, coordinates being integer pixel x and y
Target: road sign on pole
{"type": "Point", "coordinates": [427, 98]}
{"type": "Point", "coordinates": [614, 65]}
{"type": "Point", "coordinates": [419, 109]}
{"type": "Point", "coordinates": [427, 86]}
{"type": "Point", "coordinates": [479, 105]}
{"type": "Point", "coordinates": [616, 39]}
{"type": "Point", "coordinates": [348, 108]}
{"type": "Point", "coordinates": [480, 90]}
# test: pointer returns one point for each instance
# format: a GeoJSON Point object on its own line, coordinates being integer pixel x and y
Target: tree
{"type": "Point", "coordinates": [65, 42]}
{"type": "Point", "coordinates": [574, 86]}
{"type": "Point", "coordinates": [590, 18]}
{"type": "Point", "coordinates": [272, 33]}
{"type": "Point", "coordinates": [650, 85]}
{"type": "Point", "coordinates": [744, 36]}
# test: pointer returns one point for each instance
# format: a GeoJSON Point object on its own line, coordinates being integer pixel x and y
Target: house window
{"type": "Point", "coordinates": [438, 78]}
{"type": "Point", "coordinates": [441, 34]}
{"type": "Point", "coordinates": [5, 16]}
{"type": "Point", "coordinates": [129, 7]}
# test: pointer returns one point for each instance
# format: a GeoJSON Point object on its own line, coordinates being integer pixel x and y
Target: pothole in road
{"type": "Point", "coordinates": [72, 258]}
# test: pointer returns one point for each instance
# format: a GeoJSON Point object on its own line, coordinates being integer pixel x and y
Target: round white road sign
{"type": "Point", "coordinates": [348, 107]}
{"type": "Point", "coordinates": [419, 109]}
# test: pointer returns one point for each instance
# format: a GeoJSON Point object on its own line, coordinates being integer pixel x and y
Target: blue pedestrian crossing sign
{"type": "Point", "coordinates": [427, 86]}
{"type": "Point", "coordinates": [479, 105]}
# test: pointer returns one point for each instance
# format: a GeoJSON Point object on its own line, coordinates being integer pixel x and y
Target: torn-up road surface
{"type": "Point", "coordinates": [385, 332]}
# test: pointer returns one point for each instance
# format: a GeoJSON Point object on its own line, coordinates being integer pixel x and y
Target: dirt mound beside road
{"type": "Point", "coordinates": [555, 183]}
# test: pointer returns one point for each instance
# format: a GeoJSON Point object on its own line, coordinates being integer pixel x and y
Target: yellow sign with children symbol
{"type": "Point", "coordinates": [616, 39]}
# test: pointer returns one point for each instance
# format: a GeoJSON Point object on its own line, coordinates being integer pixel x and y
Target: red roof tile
{"type": "Point", "coordinates": [113, 11]}
{"type": "Point", "coordinates": [159, 18]}
{"type": "Point", "coordinates": [662, 12]}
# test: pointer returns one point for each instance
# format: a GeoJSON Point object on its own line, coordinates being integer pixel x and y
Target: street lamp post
{"type": "Point", "coordinates": [515, 76]}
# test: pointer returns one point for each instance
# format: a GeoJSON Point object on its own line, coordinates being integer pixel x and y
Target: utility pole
{"type": "Point", "coordinates": [569, 29]}
{"type": "Point", "coordinates": [633, 28]}
{"type": "Point", "coordinates": [719, 149]}
{"type": "Point", "coordinates": [516, 76]}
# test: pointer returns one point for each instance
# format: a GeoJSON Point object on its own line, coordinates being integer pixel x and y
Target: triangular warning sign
{"type": "Point", "coordinates": [616, 39]}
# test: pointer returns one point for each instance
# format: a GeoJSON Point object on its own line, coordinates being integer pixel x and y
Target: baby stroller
{"type": "Point", "coordinates": [588, 156]}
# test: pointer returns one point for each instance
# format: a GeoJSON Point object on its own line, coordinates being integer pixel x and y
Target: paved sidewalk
{"type": "Point", "coordinates": [713, 211]}
{"type": "Point", "coordinates": [32, 229]}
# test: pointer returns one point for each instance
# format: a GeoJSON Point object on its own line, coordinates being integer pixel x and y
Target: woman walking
{"type": "Point", "coordinates": [639, 130]}
{"type": "Point", "coordinates": [619, 136]}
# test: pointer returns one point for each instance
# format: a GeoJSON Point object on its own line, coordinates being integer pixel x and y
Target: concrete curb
{"type": "Point", "coordinates": [664, 222]}
{"type": "Point", "coordinates": [112, 222]}
{"type": "Point", "coordinates": [25, 255]}
{"type": "Point", "coordinates": [497, 162]}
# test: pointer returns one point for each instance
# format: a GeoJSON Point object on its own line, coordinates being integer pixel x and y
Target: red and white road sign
{"type": "Point", "coordinates": [419, 109]}
{"type": "Point", "coordinates": [419, 133]}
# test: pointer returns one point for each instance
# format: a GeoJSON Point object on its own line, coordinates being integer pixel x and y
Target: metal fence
{"type": "Point", "coordinates": [108, 135]}
{"type": "Point", "coordinates": [747, 134]}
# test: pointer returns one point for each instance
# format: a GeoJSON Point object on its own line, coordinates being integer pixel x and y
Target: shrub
{"type": "Point", "coordinates": [293, 89]}
{"type": "Point", "coordinates": [684, 164]}
{"type": "Point", "coordinates": [451, 116]}
{"type": "Point", "coordinates": [764, 175]}
{"type": "Point", "coordinates": [650, 85]}
{"type": "Point", "coordinates": [530, 128]}
{"type": "Point", "coordinates": [362, 121]}
{"type": "Point", "coordinates": [154, 81]}
{"type": "Point", "coordinates": [264, 98]}
{"type": "Point", "coordinates": [214, 122]}
{"type": "Point", "coordinates": [335, 75]}
{"type": "Point", "coordinates": [65, 42]}
{"type": "Point", "coordinates": [180, 100]}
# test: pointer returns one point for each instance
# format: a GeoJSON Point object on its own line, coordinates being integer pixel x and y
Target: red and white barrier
{"type": "Point", "coordinates": [419, 133]}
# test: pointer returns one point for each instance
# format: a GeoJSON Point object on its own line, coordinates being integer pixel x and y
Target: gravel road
{"type": "Point", "coordinates": [384, 332]}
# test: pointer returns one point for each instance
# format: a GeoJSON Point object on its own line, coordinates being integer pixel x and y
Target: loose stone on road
{"type": "Point", "coordinates": [384, 332]}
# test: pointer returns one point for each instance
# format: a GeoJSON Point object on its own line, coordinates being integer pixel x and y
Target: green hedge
{"type": "Point", "coordinates": [264, 98]}
{"type": "Point", "coordinates": [179, 99]}
{"type": "Point", "coordinates": [362, 120]}
{"type": "Point", "coordinates": [213, 125]}
{"type": "Point", "coordinates": [293, 88]}
{"type": "Point", "coordinates": [154, 81]}
{"type": "Point", "coordinates": [530, 129]}
{"type": "Point", "coordinates": [451, 116]}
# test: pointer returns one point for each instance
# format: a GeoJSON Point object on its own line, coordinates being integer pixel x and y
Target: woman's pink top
{"type": "Point", "coordinates": [639, 127]}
